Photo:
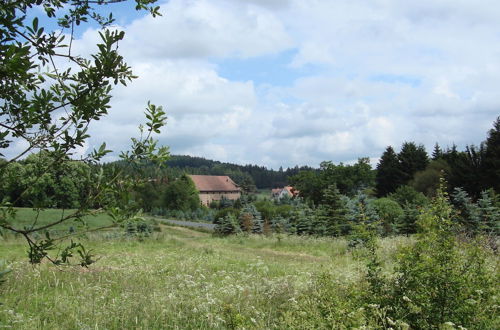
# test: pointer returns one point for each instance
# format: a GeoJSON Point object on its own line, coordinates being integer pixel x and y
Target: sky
{"type": "Point", "coordinates": [296, 82]}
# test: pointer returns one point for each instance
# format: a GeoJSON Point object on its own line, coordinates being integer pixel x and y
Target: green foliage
{"type": "Point", "coordinates": [225, 212]}
{"type": "Point", "coordinates": [389, 212]}
{"type": "Point", "coordinates": [33, 182]}
{"type": "Point", "coordinates": [441, 279]}
{"type": "Point", "coordinates": [333, 213]}
{"type": "Point", "coordinates": [4, 270]}
{"type": "Point", "coordinates": [349, 179]}
{"type": "Point", "coordinates": [491, 161]}
{"type": "Point", "coordinates": [468, 211]}
{"type": "Point", "coordinates": [302, 221]}
{"type": "Point", "coordinates": [364, 221]}
{"type": "Point", "coordinates": [407, 223]}
{"type": "Point", "coordinates": [138, 228]}
{"type": "Point", "coordinates": [250, 220]}
{"type": "Point", "coordinates": [412, 158]}
{"type": "Point", "coordinates": [408, 195]}
{"type": "Point", "coordinates": [411, 201]}
{"type": "Point", "coordinates": [227, 225]}
{"type": "Point", "coordinates": [181, 195]}
{"type": "Point", "coordinates": [48, 107]}
{"type": "Point", "coordinates": [489, 213]}
{"type": "Point", "coordinates": [388, 176]}
{"type": "Point", "coordinates": [427, 181]}
{"type": "Point", "coordinates": [310, 184]}
{"type": "Point", "coordinates": [480, 217]}
{"type": "Point", "coordinates": [270, 210]}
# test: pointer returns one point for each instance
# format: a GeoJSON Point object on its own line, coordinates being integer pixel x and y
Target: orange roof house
{"type": "Point", "coordinates": [287, 191]}
{"type": "Point", "coordinates": [215, 187]}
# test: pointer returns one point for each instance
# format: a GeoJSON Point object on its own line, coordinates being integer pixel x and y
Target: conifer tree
{"type": "Point", "coordinates": [301, 220]}
{"type": "Point", "coordinates": [489, 213]}
{"type": "Point", "coordinates": [251, 220]}
{"type": "Point", "coordinates": [468, 212]}
{"type": "Point", "coordinates": [412, 158]}
{"type": "Point", "coordinates": [388, 173]}
{"type": "Point", "coordinates": [437, 152]}
{"type": "Point", "coordinates": [227, 225]}
{"type": "Point", "coordinates": [334, 212]}
{"type": "Point", "coordinates": [491, 164]}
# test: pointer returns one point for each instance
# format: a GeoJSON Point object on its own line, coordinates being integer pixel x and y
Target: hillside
{"type": "Point", "coordinates": [248, 176]}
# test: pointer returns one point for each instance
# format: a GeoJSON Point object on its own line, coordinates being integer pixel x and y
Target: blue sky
{"type": "Point", "coordinates": [286, 82]}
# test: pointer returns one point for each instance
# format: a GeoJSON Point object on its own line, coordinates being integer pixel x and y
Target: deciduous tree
{"type": "Point", "coordinates": [48, 107]}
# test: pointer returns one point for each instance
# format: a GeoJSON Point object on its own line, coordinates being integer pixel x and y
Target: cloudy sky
{"type": "Point", "coordinates": [286, 82]}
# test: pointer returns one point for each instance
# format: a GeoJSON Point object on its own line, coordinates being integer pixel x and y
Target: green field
{"type": "Point", "coordinates": [27, 217]}
{"type": "Point", "coordinates": [180, 278]}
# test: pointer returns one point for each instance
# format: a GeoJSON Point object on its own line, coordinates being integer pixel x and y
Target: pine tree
{"type": "Point", "coordinates": [489, 213]}
{"type": "Point", "coordinates": [279, 225]}
{"type": "Point", "coordinates": [468, 215]}
{"type": "Point", "coordinates": [300, 220]}
{"type": "Point", "coordinates": [407, 223]}
{"type": "Point", "coordinates": [251, 220]}
{"type": "Point", "coordinates": [437, 152]}
{"type": "Point", "coordinates": [412, 158]}
{"type": "Point", "coordinates": [491, 164]}
{"type": "Point", "coordinates": [227, 226]}
{"type": "Point", "coordinates": [334, 212]}
{"type": "Point", "coordinates": [388, 173]}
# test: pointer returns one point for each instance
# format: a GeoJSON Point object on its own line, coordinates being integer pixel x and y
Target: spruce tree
{"type": "Point", "coordinates": [300, 220]}
{"type": "Point", "coordinates": [491, 164]}
{"type": "Point", "coordinates": [468, 215]}
{"type": "Point", "coordinates": [227, 226]}
{"type": "Point", "coordinates": [388, 173]}
{"type": "Point", "coordinates": [437, 152]}
{"type": "Point", "coordinates": [412, 158]}
{"type": "Point", "coordinates": [334, 212]}
{"type": "Point", "coordinates": [489, 213]}
{"type": "Point", "coordinates": [251, 220]}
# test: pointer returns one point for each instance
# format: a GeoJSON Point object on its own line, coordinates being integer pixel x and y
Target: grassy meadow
{"type": "Point", "coordinates": [179, 278]}
{"type": "Point", "coordinates": [27, 217]}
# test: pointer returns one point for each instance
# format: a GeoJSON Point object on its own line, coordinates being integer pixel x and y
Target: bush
{"type": "Point", "coordinates": [389, 212]}
{"type": "Point", "coordinates": [138, 228]}
{"type": "Point", "coordinates": [221, 214]}
{"type": "Point", "coordinates": [227, 226]}
{"type": "Point", "coordinates": [442, 279]}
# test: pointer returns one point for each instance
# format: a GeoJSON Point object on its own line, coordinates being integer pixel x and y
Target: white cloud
{"type": "Point", "coordinates": [200, 29]}
{"type": "Point", "coordinates": [366, 74]}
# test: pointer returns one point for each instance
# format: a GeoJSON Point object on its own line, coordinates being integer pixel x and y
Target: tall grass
{"type": "Point", "coordinates": [180, 278]}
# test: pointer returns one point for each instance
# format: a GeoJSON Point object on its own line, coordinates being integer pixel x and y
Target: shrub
{"type": "Point", "coordinates": [251, 220]}
{"type": "Point", "coordinates": [441, 279]}
{"type": "Point", "coordinates": [221, 214]}
{"type": "Point", "coordinates": [389, 212]}
{"type": "Point", "coordinates": [227, 226]}
{"type": "Point", "coordinates": [138, 228]}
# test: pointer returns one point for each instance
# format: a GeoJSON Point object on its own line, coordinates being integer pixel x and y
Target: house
{"type": "Point", "coordinates": [215, 187]}
{"type": "Point", "coordinates": [287, 191]}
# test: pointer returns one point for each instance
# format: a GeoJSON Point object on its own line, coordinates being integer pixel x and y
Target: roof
{"type": "Point", "coordinates": [214, 183]}
{"type": "Point", "coordinates": [289, 190]}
